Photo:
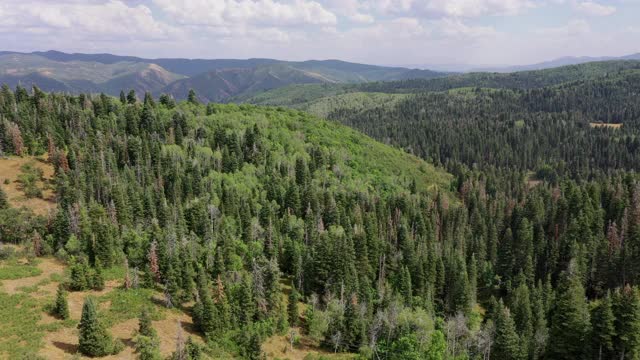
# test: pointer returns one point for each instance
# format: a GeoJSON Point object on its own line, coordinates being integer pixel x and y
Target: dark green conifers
{"type": "Point", "coordinates": [94, 339]}
{"type": "Point", "coordinates": [61, 306]}
{"type": "Point", "coordinates": [147, 342]}
{"type": "Point", "coordinates": [249, 199]}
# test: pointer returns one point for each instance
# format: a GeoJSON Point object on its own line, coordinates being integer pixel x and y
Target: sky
{"type": "Point", "coordinates": [386, 32]}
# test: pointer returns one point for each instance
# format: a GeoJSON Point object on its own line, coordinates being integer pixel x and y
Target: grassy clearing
{"type": "Point", "coordinates": [13, 269]}
{"type": "Point", "coordinates": [128, 304]}
{"type": "Point", "coordinates": [25, 277]}
{"type": "Point", "coordinates": [20, 334]}
{"type": "Point", "coordinates": [114, 273]}
{"type": "Point", "coordinates": [279, 347]}
{"type": "Point", "coordinates": [358, 101]}
{"type": "Point", "coordinates": [29, 175]}
{"type": "Point", "coordinates": [27, 330]}
{"type": "Point", "coordinates": [294, 96]}
{"type": "Point", "coordinates": [606, 125]}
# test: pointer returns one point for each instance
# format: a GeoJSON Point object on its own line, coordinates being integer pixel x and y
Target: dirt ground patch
{"type": "Point", "coordinates": [63, 343]}
{"type": "Point", "coordinates": [607, 125]}
{"type": "Point", "coordinates": [279, 347]}
{"type": "Point", "coordinates": [76, 298]}
{"type": "Point", "coordinates": [168, 329]}
{"type": "Point", "coordinates": [49, 266]}
{"type": "Point", "coordinates": [9, 171]}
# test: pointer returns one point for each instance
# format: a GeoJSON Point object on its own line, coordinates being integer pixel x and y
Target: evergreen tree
{"type": "Point", "coordinates": [193, 349]}
{"type": "Point", "coordinates": [4, 201]}
{"type": "Point", "coordinates": [603, 329]}
{"type": "Point", "coordinates": [570, 323]}
{"type": "Point", "coordinates": [131, 97]}
{"type": "Point", "coordinates": [97, 280]}
{"type": "Point", "coordinates": [148, 348]}
{"type": "Point", "coordinates": [61, 307]}
{"type": "Point", "coordinates": [354, 325]}
{"type": "Point", "coordinates": [507, 343]}
{"type": "Point", "coordinates": [192, 97]}
{"type": "Point", "coordinates": [94, 339]}
{"type": "Point", "coordinates": [626, 308]}
{"type": "Point", "coordinates": [293, 306]}
{"type": "Point", "coordinates": [80, 275]}
{"type": "Point", "coordinates": [254, 346]}
{"type": "Point", "coordinates": [145, 326]}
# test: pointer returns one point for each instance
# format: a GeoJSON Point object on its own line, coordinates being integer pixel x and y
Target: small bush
{"type": "Point", "coordinates": [29, 180]}
{"type": "Point", "coordinates": [7, 253]}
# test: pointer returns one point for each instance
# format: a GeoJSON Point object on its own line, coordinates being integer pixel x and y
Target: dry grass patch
{"type": "Point", "coordinates": [20, 334]}
{"type": "Point", "coordinates": [46, 267]}
{"type": "Point", "coordinates": [60, 344]}
{"type": "Point", "coordinates": [51, 338]}
{"type": "Point", "coordinates": [63, 342]}
{"type": "Point", "coordinates": [10, 171]}
{"type": "Point", "coordinates": [76, 298]}
{"type": "Point", "coordinates": [606, 125]}
{"type": "Point", "coordinates": [279, 347]}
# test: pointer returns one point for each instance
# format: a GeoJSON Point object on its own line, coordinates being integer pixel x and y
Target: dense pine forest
{"type": "Point", "coordinates": [258, 221]}
{"type": "Point", "coordinates": [517, 129]}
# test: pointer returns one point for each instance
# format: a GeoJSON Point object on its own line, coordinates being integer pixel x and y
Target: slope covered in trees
{"type": "Point", "coordinates": [493, 131]}
{"type": "Point", "coordinates": [508, 126]}
{"type": "Point", "coordinates": [218, 206]}
{"type": "Point", "coordinates": [214, 80]}
{"type": "Point", "coordinates": [523, 129]}
{"type": "Point", "coordinates": [298, 96]}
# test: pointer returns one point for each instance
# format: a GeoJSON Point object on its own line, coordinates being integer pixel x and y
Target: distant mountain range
{"type": "Point", "coordinates": [216, 80]}
{"type": "Point", "coordinates": [563, 61]}
{"type": "Point", "coordinates": [213, 80]}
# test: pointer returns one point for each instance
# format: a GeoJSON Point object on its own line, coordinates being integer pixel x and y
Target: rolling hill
{"type": "Point", "coordinates": [303, 96]}
{"type": "Point", "coordinates": [213, 80]}
{"type": "Point", "coordinates": [563, 61]}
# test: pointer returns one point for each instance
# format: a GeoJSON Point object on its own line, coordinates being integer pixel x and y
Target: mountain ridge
{"type": "Point", "coordinates": [214, 79]}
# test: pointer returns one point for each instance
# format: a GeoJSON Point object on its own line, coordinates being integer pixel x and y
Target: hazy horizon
{"type": "Point", "coordinates": [427, 66]}
{"type": "Point", "coordinates": [382, 32]}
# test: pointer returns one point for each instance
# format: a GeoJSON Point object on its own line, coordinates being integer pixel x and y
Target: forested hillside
{"type": "Point", "coordinates": [546, 165]}
{"type": "Point", "coordinates": [516, 80]}
{"type": "Point", "coordinates": [257, 222]}
{"type": "Point", "coordinates": [213, 79]}
{"type": "Point", "coordinates": [298, 96]}
{"type": "Point", "coordinates": [516, 129]}
{"type": "Point", "coordinates": [493, 120]}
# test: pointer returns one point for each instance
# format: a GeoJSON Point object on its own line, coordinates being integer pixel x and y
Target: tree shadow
{"type": "Point", "coordinates": [189, 328]}
{"type": "Point", "coordinates": [128, 342]}
{"type": "Point", "coordinates": [66, 347]}
{"type": "Point", "coordinates": [159, 302]}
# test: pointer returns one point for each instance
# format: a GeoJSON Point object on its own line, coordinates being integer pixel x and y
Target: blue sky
{"type": "Point", "coordinates": [400, 32]}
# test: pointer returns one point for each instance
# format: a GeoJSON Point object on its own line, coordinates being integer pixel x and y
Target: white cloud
{"type": "Point", "coordinates": [362, 18]}
{"type": "Point", "coordinates": [456, 28]}
{"type": "Point", "coordinates": [572, 28]}
{"type": "Point", "coordinates": [270, 35]}
{"type": "Point", "coordinates": [595, 9]}
{"type": "Point", "coordinates": [108, 20]}
{"type": "Point", "coordinates": [475, 8]}
{"type": "Point", "coordinates": [389, 30]}
{"type": "Point", "coordinates": [247, 12]}
{"type": "Point", "coordinates": [453, 8]}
